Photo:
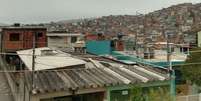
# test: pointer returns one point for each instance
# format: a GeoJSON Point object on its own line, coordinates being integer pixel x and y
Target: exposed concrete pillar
{"type": "Point", "coordinates": [173, 86]}
{"type": "Point", "coordinates": [105, 96]}
{"type": "Point", "coordinates": [34, 98]}
{"type": "Point", "coordinates": [108, 95]}
{"type": "Point", "coordinates": [188, 51]}
{"type": "Point", "coordinates": [182, 50]}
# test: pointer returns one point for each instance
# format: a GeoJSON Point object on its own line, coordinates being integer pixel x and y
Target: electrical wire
{"type": "Point", "coordinates": [69, 69]}
{"type": "Point", "coordinates": [66, 54]}
{"type": "Point", "coordinates": [6, 53]}
{"type": "Point", "coordinates": [40, 41]}
{"type": "Point", "coordinates": [184, 64]}
{"type": "Point", "coordinates": [52, 70]}
{"type": "Point", "coordinates": [52, 43]}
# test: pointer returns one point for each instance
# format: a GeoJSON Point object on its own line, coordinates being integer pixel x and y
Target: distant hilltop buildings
{"type": "Point", "coordinates": [180, 19]}
{"type": "Point", "coordinates": [183, 21]}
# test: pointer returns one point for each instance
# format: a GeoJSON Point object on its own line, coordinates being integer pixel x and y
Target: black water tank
{"type": "Point", "coordinates": [16, 24]}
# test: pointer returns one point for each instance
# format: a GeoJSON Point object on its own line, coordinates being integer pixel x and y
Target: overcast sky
{"type": "Point", "coordinates": [36, 11]}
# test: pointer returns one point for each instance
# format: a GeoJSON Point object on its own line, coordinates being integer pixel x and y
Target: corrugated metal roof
{"type": "Point", "coordinates": [98, 72]}
{"type": "Point", "coordinates": [98, 75]}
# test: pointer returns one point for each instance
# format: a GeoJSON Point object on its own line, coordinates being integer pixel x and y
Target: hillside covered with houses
{"type": "Point", "coordinates": [141, 57]}
{"type": "Point", "coordinates": [182, 20]}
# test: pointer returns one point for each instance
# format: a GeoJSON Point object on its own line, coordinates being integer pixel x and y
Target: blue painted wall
{"type": "Point", "coordinates": [99, 47]}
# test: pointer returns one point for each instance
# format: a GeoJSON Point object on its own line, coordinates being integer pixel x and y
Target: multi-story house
{"type": "Point", "coordinates": [22, 37]}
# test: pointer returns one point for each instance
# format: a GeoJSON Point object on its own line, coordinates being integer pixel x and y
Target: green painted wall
{"type": "Point", "coordinates": [120, 95]}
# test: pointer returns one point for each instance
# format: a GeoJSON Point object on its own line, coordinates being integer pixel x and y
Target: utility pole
{"type": "Point", "coordinates": [136, 36]}
{"type": "Point", "coordinates": [136, 45]}
{"type": "Point", "coordinates": [33, 59]}
{"type": "Point", "coordinates": [22, 81]}
{"type": "Point", "coordinates": [33, 64]}
{"type": "Point", "coordinates": [169, 52]}
{"type": "Point", "coordinates": [171, 71]}
{"type": "Point", "coordinates": [188, 50]}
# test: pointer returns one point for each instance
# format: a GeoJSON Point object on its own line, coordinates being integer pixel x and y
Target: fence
{"type": "Point", "coordinates": [196, 97]}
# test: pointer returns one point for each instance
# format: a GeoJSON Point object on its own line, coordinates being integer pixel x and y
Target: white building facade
{"type": "Point", "coordinates": [63, 40]}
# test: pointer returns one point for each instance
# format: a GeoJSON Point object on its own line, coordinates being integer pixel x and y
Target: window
{"type": "Point", "coordinates": [14, 37]}
{"type": "Point", "coordinates": [40, 34]}
{"type": "Point", "coordinates": [73, 39]}
{"type": "Point", "coordinates": [55, 37]}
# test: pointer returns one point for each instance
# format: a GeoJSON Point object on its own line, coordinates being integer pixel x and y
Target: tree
{"type": "Point", "coordinates": [150, 94]}
{"type": "Point", "coordinates": [191, 70]}
{"type": "Point", "coordinates": [136, 94]}
{"type": "Point", "coordinates": [159, 94]}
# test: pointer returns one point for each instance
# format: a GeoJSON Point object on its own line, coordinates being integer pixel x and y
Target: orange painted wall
{"type": "Point", "coordinates": [26, 39]}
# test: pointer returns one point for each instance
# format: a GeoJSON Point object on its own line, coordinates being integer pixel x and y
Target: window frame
{"type": "Point", "coordinates": [16, 35]}
{"type": "Point", "coordinates": [39, 34]}
{"type": "Point", "coordinates": [75, 40]}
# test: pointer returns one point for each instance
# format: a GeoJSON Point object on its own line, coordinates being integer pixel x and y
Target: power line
{"type": "Point", "coordinates": [193, 63]}
{"type": "Point", "coordinates": [81, 40]}
{"type": "Point", "coordinates": [20, 42]}
{"type": "Point", "coordinates": [69, 69]}
{"type": "Point", "coordinates": [57, 70]}
{"type": "Point", "coordinates": [7, 53]}
{"type": "Point", "coordinates": [66, 56]}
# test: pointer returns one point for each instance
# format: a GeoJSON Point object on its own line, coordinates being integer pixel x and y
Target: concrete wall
{"type": "Point", "coordinates": [199, 39]}
{"type": "Point", "coordinates": [0, 40]}
{"type": "Point", "coordinates": [57, 42]}
{"type": "Point", "coordinates": [61, 41]}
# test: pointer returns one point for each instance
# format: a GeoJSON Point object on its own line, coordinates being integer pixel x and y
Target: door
{"type": "Point", "coordinates": [120, 95]}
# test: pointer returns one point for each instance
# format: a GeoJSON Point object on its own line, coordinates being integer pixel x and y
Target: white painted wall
{"type": "Point", "coordinates": [61, 41]}
{"type": "Point", "coordinates": [57, 42]}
